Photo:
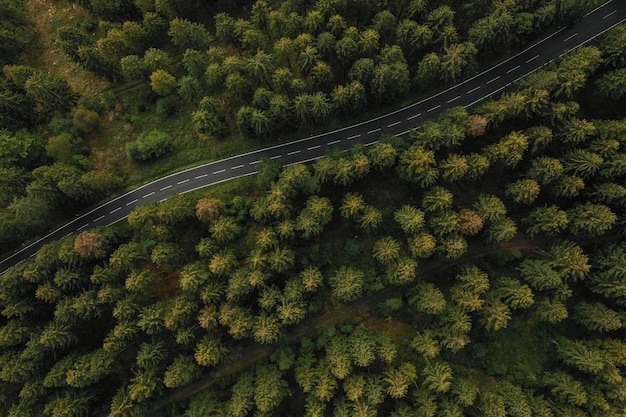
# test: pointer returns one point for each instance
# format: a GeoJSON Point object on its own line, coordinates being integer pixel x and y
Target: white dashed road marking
{"type": "Point", "coordinates": [113, 211]}
{"type": "Point", "coordinates": [83, 226]}
{"type": "Point", "coordinates": [132, 202]}
{"type": "Point", "coordinates": [220, 171]}
{"type": "Point", "coordinates": [414, 116]}
{"type": "Point", "coordinates": [165, 188]}
{"type": "Point", "coordinates": [610, 14]}
{"type": "Point", "coordinates": [453, 99]}
{"type": "Point", "coordinates": [493, 79]}
{"type": "Point", "coordinates": [314, 147]}
{"type": "Point", "coordinates": [354, 136]}
{"type": "Point", "coordinates": [394, 124]}
{"type": "Point", "coordinates": [237, 167]}
{"type": "Point", "coordinates": [532, 59]}
{"type": "Point", "coordinates": [570, 37]}
{"type": "Point", "coordinates": [512, 69]}
{"type": "Point", "coordinates": [183, 181]}
{"type": "Point", "coordinates": [201, 176]}
{"type": "Point", "coordinates": [473, 89]}
{"type": "Point", "coordinates": [99, 218]}
{"type": "Point", "coordinates": [148, 195]}
{"type": "Point", "coordinates": [275, 157]}
{"type": "Point", "coordinates": [333, 142]}
{"type": "Point", "coordinates": [373, 131]}
{"type": "Point", "coordinates": [293, 153]}
{"type": "Point", "coordinates": [434, 108]}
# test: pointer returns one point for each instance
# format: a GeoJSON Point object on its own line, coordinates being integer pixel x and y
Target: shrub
{"type": "Point", "coordinates": [85, 119]}
{"type": "Point", "coordinates": [150, 145]}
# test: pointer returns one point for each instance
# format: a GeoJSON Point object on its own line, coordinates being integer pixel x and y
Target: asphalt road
{"type": "Point", "coordinates": [396, 123]}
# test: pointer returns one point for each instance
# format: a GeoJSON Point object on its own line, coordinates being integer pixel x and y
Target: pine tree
{"type": "Point", "coordinates": [209, 352]}
{"type": "Point", "coordinates": [352, 205]}
{"type": "Point", "coordinates": [495, 315]}
{"type": "Point", "coordinates": [437, 376]}
{"type": "Point", "coordinates": [591, 219]}
{"type": "Point", "coordinates": [410, 219]}
{"type": "Point", "coordinates": [422, 245]}
{"type": "Point", "coordinates": [370, 219]}
{"type": "Point", "coordinates": [523, 191]}
{"type": "Point", "coordinates": [514, 294]}
{"type": "Point", "coordinates": [347, 283]}
{"type": "Point", "coordinates": [548, 220]}
{"type": "Point", "coordinates": [386, 250]}
{"type": "Point", "coordinates": [437, 199]}
{"type": "Point", "coordinates": [551, 311]}
{"type": "Point", "coordinates": [182, 371]}
{"type": "Point", "coordinates": [426, 344]}
{"type": "Point", "coordinates": [269, 388]}
{"type": "Point", "coordinates": [565, 388]}
{"type": "Point", "coordinates": [397, 380]}
{"type": "Point", "coordinates": [579, 354]}
{"type": "Point", "coordinates": [597, 317]}
{"type": "Point", "coordinates": [428, 299]}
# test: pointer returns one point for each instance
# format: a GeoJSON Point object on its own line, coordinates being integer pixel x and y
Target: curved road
{"type": "Point", "coordinates": [396, 123]}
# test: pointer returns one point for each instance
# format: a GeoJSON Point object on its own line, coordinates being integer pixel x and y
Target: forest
{"type": "Point", "coordinates": [474, 267]}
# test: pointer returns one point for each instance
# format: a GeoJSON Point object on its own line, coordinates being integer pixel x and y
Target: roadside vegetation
{"type": "Point", "coordinates": [475, 267]}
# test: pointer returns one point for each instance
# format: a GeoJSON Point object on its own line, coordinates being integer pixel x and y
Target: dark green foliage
{"type": "Point", "coordinates": [197, 289]}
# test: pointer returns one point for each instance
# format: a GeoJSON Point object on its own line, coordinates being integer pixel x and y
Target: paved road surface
{"type": "Point", "coordinates": [395, 123]}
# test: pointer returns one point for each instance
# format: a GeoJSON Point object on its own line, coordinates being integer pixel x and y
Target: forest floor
{"type": "Point", "coordinates": [336, 314]}
{"type": "Point", "coordinates": [47, 17]}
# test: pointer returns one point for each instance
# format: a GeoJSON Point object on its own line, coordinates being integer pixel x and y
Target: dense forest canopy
{"type": "Point", "coordinates": [475, 267]}
{"type": "Point", "coordinates": [217, 71]}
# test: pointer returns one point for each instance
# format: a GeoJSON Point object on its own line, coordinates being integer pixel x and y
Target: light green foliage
{"type": "Point", "coordinates": [582, 162]}
{"type": "Point", "coordinates": [591, 219]}
{"type": "Point", "coordinates": [149, 145]}
{"type": "Point", "coordinates": [565, 388]}
{"type": "Point", "coordinates": [347, 283]}
{"type": "Point", "coordinates": [422, 245]}
{"type": "Point", "coordinates": [510, 149]}
{"type": "Point", "coordinates": [502, 230]}
{"type": "Point", "coordinates": [180, 372]}
{"type": "Point", "coordinates": [437, 376]}
{"type": "Point", "coordinates": [370, 219]}
{"type": "Point", "coordinates": [162, 82]}
{"type": "Point", "coordinates": [314, 216]}
{"type": "Point", "coordinates": [453, 246]}
{"type": "Point", "coordinates": [513, 293]}
{"type": "Point", "coordinates": [548, 220]}
{"type": "Point", "coordinates": [418, 165]}
{"type": "Point", "coordinates": [386, 250]}
{"type": "Point", "coordinates": [352, 205]}
{"type": "Point", "coordinates": [269, 388]}
{"type": "Point", "coordinates": [426, 344]}
{"type": "Point", "coordinates": [209, 352]}
{"type": "Point", "coordinates": [490, 208]}
{"type": "Point", "coordinates": [402, 272]}
{"type": "Point", "coordinates": [428, 299]}
{"type": "Point", "coordinates": [495, 315]}
{"type": "Point", "coordinates": [437, 199]}
{"type": "Point", "coordinates": [411, 220]}
{"type": "Point", "coordinates": [523, 191]}
{"type": "Point", "coordinates": [540, 274]}
{"type": "Point", "coordinates": [597, 317]}
{"type": "Point", "coordinates": [21, 148]}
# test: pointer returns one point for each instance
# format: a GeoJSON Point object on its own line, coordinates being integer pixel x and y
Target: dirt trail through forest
{"type": "Point", "coordinates": [342, 313]}
{"type": "Point", "coordinates": [45, 16]}
{"type": "Point", "coordinates": [336, 315]}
